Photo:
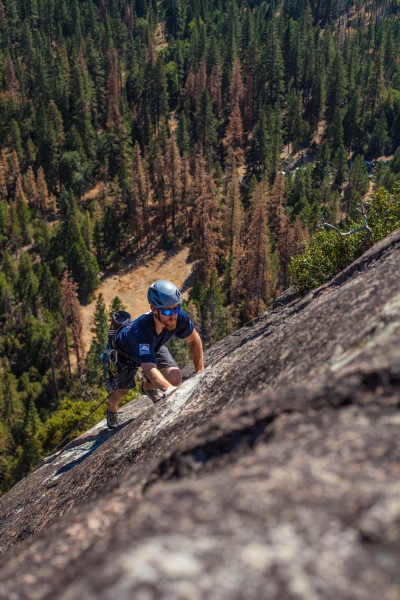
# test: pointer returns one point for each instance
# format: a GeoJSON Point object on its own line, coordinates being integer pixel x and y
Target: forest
{"type": "Point", "coordinates": [129, 123]}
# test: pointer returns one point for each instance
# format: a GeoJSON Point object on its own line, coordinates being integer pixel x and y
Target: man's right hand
{"type": "Point", "coordinates": [169, 391]}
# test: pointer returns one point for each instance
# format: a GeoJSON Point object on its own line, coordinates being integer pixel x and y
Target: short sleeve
{"type": "Point", "coordinates": [143, 347]}
{"type": "Point", "coordinates": [185, 326]}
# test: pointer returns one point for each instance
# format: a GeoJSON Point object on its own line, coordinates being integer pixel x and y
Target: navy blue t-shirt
{"type": "Point", "coordinates": [139, 339]}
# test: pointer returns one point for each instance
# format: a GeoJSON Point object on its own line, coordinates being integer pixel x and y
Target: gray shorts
{"type": "Point", "coordinates": [127, 369]}
{"type": "Point", "coordinates": [164, 358]}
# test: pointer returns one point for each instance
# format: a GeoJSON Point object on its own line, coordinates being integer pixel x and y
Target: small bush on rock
{"type": "Point", "coordinates": [327, 253]}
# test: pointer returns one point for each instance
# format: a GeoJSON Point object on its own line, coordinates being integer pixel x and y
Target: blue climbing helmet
{"type": "Point", "coordinates": [163, 293]}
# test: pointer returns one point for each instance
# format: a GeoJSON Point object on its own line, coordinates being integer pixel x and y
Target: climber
{"type": "Point", "coordinates": [142, 342]}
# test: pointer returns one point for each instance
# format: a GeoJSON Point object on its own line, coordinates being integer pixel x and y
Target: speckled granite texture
{"type": "Point", "coordinates": [274, 474]}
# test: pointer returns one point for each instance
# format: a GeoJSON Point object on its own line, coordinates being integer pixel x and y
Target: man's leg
{"type": "Point", "coordinates": [171, 374]}
{"type": "Point", "coordinates": [168, 367]}
{"type": "Point", "coordinates": [115, 399]}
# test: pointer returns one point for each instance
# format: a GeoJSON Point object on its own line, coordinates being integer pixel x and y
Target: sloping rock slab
{"type": "Point", "coordinates": [273, 474]}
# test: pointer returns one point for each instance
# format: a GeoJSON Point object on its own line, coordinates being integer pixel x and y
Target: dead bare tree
{"type": "Point", "coordinates": [364, 210]}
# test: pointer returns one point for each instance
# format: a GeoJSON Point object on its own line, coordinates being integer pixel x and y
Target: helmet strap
{"type": "Point", "coordinates": [157, 316]}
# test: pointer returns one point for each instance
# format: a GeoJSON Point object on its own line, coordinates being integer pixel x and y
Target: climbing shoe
{"type": "Point", "coordinates": [154, 395]}
{"type": "Point", "coordinates": [112, 420]}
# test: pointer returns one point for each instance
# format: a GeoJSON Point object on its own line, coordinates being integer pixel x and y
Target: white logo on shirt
{"type": "Point", "coordinates": [144, 348]}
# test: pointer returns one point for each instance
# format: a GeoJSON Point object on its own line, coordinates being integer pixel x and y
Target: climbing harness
{"type": "Point", "coordinates": [116, 373]}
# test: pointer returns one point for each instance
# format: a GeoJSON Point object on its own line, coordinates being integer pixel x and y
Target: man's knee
{"type": "Point", "coordinates": [174, 377]}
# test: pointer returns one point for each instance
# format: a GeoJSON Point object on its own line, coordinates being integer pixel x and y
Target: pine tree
{"type": "Point", "coordinates": [32, 450]}
{"type": "Point", "coordinates": [336, 86]}
{"type": "Point", "coordinates": [340, 165]}
{"type": "Point", "coordinates": [3, 177]}
{"type": "Point", "coordinates": [380, 137]}
{"type": "Point", "coordinates": [161, 194]}
{"type": "Point", "coordinates": [205, 226]}
{"type": "Point", "coordinates": [31, 190]}
{"type": "Point", "coordinates": [274, 63]}
{"type": "Point", "coordinates": [12, 86]}
{"type": "Point", "coordinates": [206, 123]}
{"type": "Point", "coordinates": [99, 329]}
{"type": "Point", "coordinates": [19, 192]}
{"type": "Point", "coordinates": [285, 249]}
{"type": "Point", "coordinates": [182, 135]}
{"type": "Point", "coordinates": [234, 132]}
{"type": "Point", "coordinates": [253, 278]}
{"type": "Point", "coordinates": [138, 198]}
{"type": "Point", "coordinates": [233, 210]}
{"type": "Point", "coordinates": [116, 304]}
{"type": "Point", "coordinates": [42, 193]}
{"type": "Point", "coordinates": [14, 137]}
{"type": "Point", "coordinates": [237, 92]}
{"type": "Point", "coordinates": [72, 316]}
{"type": "Point", "coordinates": [173, 169]}
{"type": "Point", "coordinates": [275, 209]}
{"type": "Point", "coordinates": [201, 80]}
{"type": "Point", "coordinates": [376, 83]}
{"type": "Point", "coordinates": [335, 133]}
{"type": "Point", "coordinates": [15, 171]}
{"type": "Point", "coordinates": [186, 186]}
{"type": "Point", "coordinates": [259, 153]}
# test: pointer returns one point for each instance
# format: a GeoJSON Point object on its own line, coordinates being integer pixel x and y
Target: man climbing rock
{"type": "Point", "coordinates": [142, 342]}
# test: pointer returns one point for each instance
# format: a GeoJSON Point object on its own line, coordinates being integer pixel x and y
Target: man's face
{"type": "Point", "coordinates": [169, 322]}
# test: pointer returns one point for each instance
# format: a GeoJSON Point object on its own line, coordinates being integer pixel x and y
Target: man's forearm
{"type": "Point", "coordinates": [196, 352]}
{"type": "Point", "coordinates": [155, 376]}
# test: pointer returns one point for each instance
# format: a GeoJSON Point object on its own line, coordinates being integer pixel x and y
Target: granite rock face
{"type": "Point", "coordinates": [275, 473]}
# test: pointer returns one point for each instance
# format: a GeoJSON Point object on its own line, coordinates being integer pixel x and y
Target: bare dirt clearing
{"type": "Point", "coordinates": [131, 283]}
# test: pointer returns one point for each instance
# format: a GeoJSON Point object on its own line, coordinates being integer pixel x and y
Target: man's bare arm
{"type": "Point", "coordinates": [196, 351]}
{"type": "Point", "coordinates": [156, 377]}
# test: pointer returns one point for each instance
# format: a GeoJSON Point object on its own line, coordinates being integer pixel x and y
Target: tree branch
{"type": "Point", "coordinates": [367, 242]}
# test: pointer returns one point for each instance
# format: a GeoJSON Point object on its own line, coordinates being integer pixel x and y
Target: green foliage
{"type": "Point", "coordinates": [68, 415]}
{"type": "Point", "coordinates": [328, 253]}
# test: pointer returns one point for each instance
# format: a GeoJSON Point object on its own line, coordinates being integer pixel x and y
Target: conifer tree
{"type": "Point", "coordinates": [42, 193]}
{"type": "Point", "coordinates": [259, 153]}
{"type": "Point", "coordinates": [336, 86]}
{"type": "Point", "coordinates": [201, 80]}
{"type": "Point", "coordinates": [159, 166]}
{"type": "Point", "coordinates": [340, 165]}
{"type": "Point", "coordinates": [376, 83]}
{"type": "Point", "coordinates": [285, 249]}
{"type": "Point", "coordinates": [72, 316]}
{"type": "Point", "coordinates": [275, 209]}
{"type": "Point", "coordinates": [116, 304]}
{"type": "Point", "coordinates": [19, 192]}
{"type": "Point", "coordinates": [32, 450]}
{"type": "Point", "coordinates": [234, 132]}
{"type": "Point", "coordinates": [31, 190]}
{"type": "Point", "coordinates": [3, 177]}
{"type": "Point", "coordinates": [99, 330]}
{"type": "Point", "coordinates": [335, 133]}
{"type": "Point", "coordinates": [253, 277]}
{"type": "Point", "coordinates": [12, 86]}
{"type": "Point", "coordinates": [205, 226]}
{"type": "Point", "coordinates": [15, 171]}
{"type": "Point", "coordinates": [206, 123]}
{"type": "Point", "coordinates": [237, 92]}
{"type": "Point", "coordinates": [173, 169]}
{"type": "Point", "coordinates": [182, 135]}
{"type": "Point", "coordinates": [233, 210]}
{"type": "Point", "coordinates": [138, 199]}
{"type": "Point", "coordinates": [186, 186]}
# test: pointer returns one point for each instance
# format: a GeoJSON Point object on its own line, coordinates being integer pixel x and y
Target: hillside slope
{"type": "Point", "coordinates": [273, 474]}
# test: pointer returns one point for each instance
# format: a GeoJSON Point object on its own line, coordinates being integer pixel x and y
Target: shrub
{"type": "Point", "coordinates": [68, 415]}
{"type": "Point", "coordinates": [327, 253]}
